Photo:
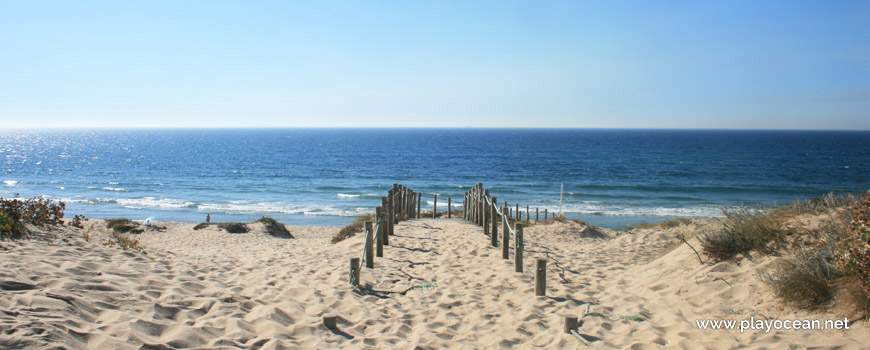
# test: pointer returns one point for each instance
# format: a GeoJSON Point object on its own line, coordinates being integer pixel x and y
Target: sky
{"type": "Point", "coordinates": [598, 64]}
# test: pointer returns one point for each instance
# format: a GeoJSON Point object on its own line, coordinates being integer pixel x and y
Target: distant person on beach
{"type": "Point", "coordinates": [208, 217]}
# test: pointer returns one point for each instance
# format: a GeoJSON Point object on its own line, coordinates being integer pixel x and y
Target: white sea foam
{"type": "Point", "coordinates": [10, 183]}
{"type": "Point", "coordinates": [116, 189]}
{"type": "Point", "coordinates": [342, 195]}
{"type": "Point", "coordinates": [280, 208]}
{"type": "Point", "coordinates": [599, 208]}
{"type": "Point", "coordinates": [148, 202]}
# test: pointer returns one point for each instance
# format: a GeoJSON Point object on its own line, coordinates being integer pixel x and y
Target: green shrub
{"type": "Point", "coordinates": [233, 227]}
{"type": "Point", "coordinates": [14, 212]}
{"type": "Point", "coordinates": [741, 231]}
{"type": "Point", "coordinates": [201, 226]}
{"type": "Point", "coordinates": [275, 228]}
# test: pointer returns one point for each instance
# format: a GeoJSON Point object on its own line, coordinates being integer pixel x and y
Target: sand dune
{"type": "Point", "coordinates": [439, 285]}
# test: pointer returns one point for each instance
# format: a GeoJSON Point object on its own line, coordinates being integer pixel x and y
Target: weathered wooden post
{"type": "Point", "coordinates": [537, 211]}
{"type": "Point", "coordinates": [370, 248]}
{"type": "Point", "coordinates": [391, 212]}
{"type": "Point", "coordinates": [571, 323]}
{"type": "Point", "coordinates": [465, 207]}
{"type": "Point", "coordinates": [518, 251]}
{"type": "Point", "coordinates": [506, 244]}
{"type": "Point", "coordinates": [435, 206]}
{"type": "Point", "coordinates": [385, 235]}
{"type": "Point", "coordinates": [419, 200]}
{"type": "Point", "coordinates": [493, 234]}
{"type": "Point", "coordinates": [354, 272]}
{"type": "Point", "coordinates": [528, 218]}
{"type": "Point", "coordinates": [481, 203]}
{"type": "Point", "coordinates": [545, 214]}
{"type": "Point", "coordinates": [486, 212]}
{"type": "Point", "coordinates": [379, 251]}
{"type": "Point", "coordinates": [541, 277]}
{"type": "Point", "coordinates": [330, 321]}
{"type": "Point", "coordinates": [449, 208]}
{"type": "Point", "coordinates": [519, 214]}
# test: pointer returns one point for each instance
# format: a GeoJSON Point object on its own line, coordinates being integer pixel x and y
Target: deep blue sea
{"type": "Point", "coordinates": [327, 176]}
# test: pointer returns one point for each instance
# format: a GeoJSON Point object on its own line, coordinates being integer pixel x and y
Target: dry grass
{"type": "Point", "coordinates": [123, 226]}
{"type": "Point", "coordinates": [741, 231]}
{"type": "Point", "coordinates": [355, 227]}
{"type": "Point", "coordinates": [275, 228]}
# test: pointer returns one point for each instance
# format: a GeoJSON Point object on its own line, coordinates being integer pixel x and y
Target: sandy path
{"type": "Point", "coordinates": [212, 289]}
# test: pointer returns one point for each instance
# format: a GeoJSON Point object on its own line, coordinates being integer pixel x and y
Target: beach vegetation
{"type": "Point", "coordinates": [201, 226]}
{"type": "Point", "coordinates": [123, 226]}
{"type": "Point", "coordinates": [233, 227]}
{"type": "Point", "coordinates": [554, 220]}
{"type": "Point", "coordinates": [123, 241]}
{"type": "Point", "coordinates": [15, 212]}
{"type": "Point", "coordinates": [77, 221]}
{"type": "Point", "coordinates": [275, 228]}
{"type": "Point", "coordinates": [741, 231]}
{"type": "Point", "coordinates": [355, 227]}
{"type": "Point", "coordinates": [819, 204]}
{"type": "Point", "coordinates": [806, 281]}
{"type": "Point", "coordinates": [832, 260]}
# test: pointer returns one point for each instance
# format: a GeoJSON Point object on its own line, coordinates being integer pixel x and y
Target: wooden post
{"type": "Point", "coordinates": [379, 251]}
{"type": "Point", "coordinates": [545, 214]}
{"type": "Point", "coordinates": [519, 214]}
{"type": "Point", "coordinates": [435, 207]}
{"type": "Point", "coordinates": [385, 225]}
{"type": "Point", "coordinates": [486, 212]}
{"type": "Point", "coordinates": [537, 211]}
{"type": "Point", "coordinates": [493, 234]}
{"type": "Point", "coordinates": [370, 248]}
{"type": "Point", "coordinates": [518, 251]}
{"type": "Point", "coordinates": [330, 321]}
{"type": "Point", "coordinates": [571, 323]}
{"type": "Point", "coordinates": [354, 272]}
{"type": "Point", "coordinates": [541, 277]}
{"type": "Point", "coordinates": [506, 241]}
{"type": "Point", "coordinates": [419, 200]}
{"type": "Point", "coordinates": [449, 208]}
{"type": "Point", "coordinates": [480, 204]}
{"type": "Point", "coordinates": [391, 212]}
{"type": "Point", "coordinates": [465, 207]}
{"type": "Point", "coordinates": [528, 218]}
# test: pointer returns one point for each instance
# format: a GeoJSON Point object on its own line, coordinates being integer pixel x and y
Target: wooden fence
{"type": "Point", "coordinates": [402, 203]}
{"type": "Point", "coordinates": [481, 208]}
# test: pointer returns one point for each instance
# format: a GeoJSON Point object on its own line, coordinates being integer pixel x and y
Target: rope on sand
{"type": "Point", "coordinates": [639, 317]}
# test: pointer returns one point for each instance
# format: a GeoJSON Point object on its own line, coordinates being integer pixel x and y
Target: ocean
{"type": "Point", "coordinates": [611, 177]}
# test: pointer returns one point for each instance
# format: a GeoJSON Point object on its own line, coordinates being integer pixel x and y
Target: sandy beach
{"type": "Point", "coordinates": [439, 285]}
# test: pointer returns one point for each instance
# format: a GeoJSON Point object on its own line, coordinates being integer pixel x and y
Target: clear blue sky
{"type": "Point", "coordinates": [702, 64]}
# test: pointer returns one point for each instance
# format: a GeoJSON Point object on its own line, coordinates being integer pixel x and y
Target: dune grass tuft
{"type": "Point", "coordinates": [123, 226]}
{"type": "Point", "coordinates": [350, 230]}
{"type": "Point", "coordinates": [275, 228]}
{"type": "Point", "coordinates": [741, 231]}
